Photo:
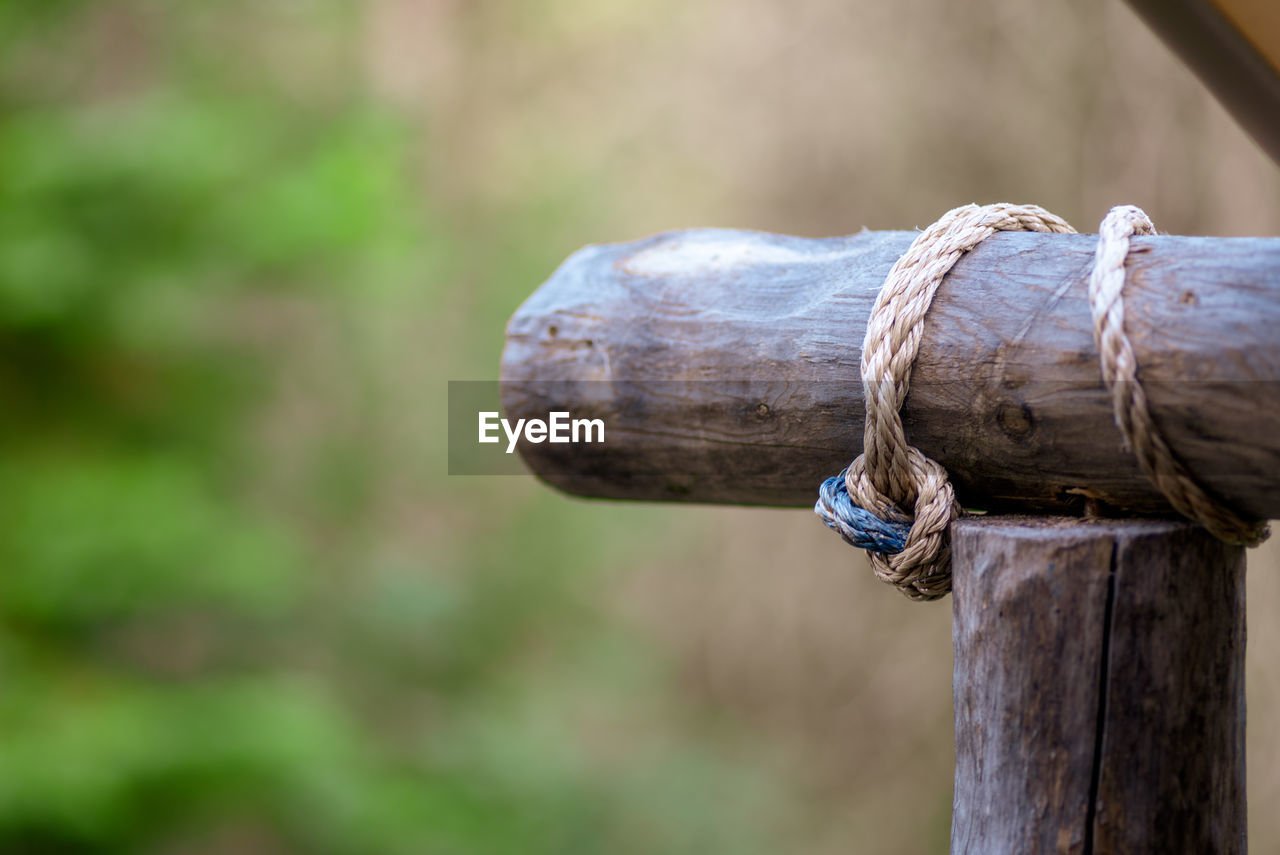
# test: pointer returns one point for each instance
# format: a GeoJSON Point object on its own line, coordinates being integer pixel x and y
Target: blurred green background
{"type": "Point", "coordinates": [244, 246]}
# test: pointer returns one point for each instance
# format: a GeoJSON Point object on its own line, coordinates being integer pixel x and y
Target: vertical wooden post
{"type": "Point", "coordinates": [1099, 688]}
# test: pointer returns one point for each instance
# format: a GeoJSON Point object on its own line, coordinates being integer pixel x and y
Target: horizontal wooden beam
{"type": "Point", "coordinates": [725, 367]}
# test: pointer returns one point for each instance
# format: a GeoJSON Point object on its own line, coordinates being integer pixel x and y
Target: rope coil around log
{"type": "Point", "coordinates": [866, 503]}
{"type": "Point", "coordinates": [1129, 400]}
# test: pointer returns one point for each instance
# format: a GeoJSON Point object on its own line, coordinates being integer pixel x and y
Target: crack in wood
{"type": "Point", "coordinates": [1104, 689]}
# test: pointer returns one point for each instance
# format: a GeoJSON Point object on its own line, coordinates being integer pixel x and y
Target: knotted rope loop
{"type": "Point", "coordinates": [859, 527]}
{"type": "Point", "coordinates": [1129, 400]}
{"type": "Point", "coordinates": [891, 479]}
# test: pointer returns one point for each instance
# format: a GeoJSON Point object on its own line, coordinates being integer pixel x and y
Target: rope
{"type": "Point", "coordinates": [859, 528]}
{"type": "Point", "coordinates": [867, 503]}
{"type": "Point", "coordinates": [1129, 400]}
{"type": "Point", "coordinates": [892, 475]}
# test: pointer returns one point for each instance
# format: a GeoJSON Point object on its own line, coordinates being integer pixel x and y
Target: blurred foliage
{"type": "Point", "coordinates": [197, 652]}
{"type": "Point", "coordinates": [244, 245]}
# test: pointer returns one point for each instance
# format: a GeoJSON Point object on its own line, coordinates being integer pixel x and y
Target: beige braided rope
{"type": "Point", "coordinates": [1129, 400]}
{"type": "Point", "coordinates": [891, 475]}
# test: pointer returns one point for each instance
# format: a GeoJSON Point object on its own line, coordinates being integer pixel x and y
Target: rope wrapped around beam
{"type": "Point", "coordinates": [897, 503]}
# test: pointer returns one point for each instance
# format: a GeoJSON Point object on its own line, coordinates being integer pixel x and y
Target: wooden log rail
{"type": "Point", "coordinates": [1098, 682]}
{"type": "Point", "coordinates": [725, 366]}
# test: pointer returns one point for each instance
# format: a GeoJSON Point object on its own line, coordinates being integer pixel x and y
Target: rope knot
{"type": "Point", "coordinates": [892, 476]}
{"type": "Point", "coordinates": [917, 559]}
{"type": "Point", "coordinates": [886, 534]}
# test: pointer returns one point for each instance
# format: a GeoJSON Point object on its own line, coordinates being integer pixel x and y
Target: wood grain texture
{"type": "Point", "coordinates": [1099, 695]}
{"type": "Point", "coordinates": [1173, 766]}
{"type": "Point", "coordinates": [725, 365]}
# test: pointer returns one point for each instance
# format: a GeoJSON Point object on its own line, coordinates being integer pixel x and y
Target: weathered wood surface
{"type": "Point", "coordinates": [725, 365]}
{"type": "Point", "coordinates": [1099, 688]}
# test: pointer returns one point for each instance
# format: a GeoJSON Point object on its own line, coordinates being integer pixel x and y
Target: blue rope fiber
{"type": "Point", "coordinates": [857, 526]}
